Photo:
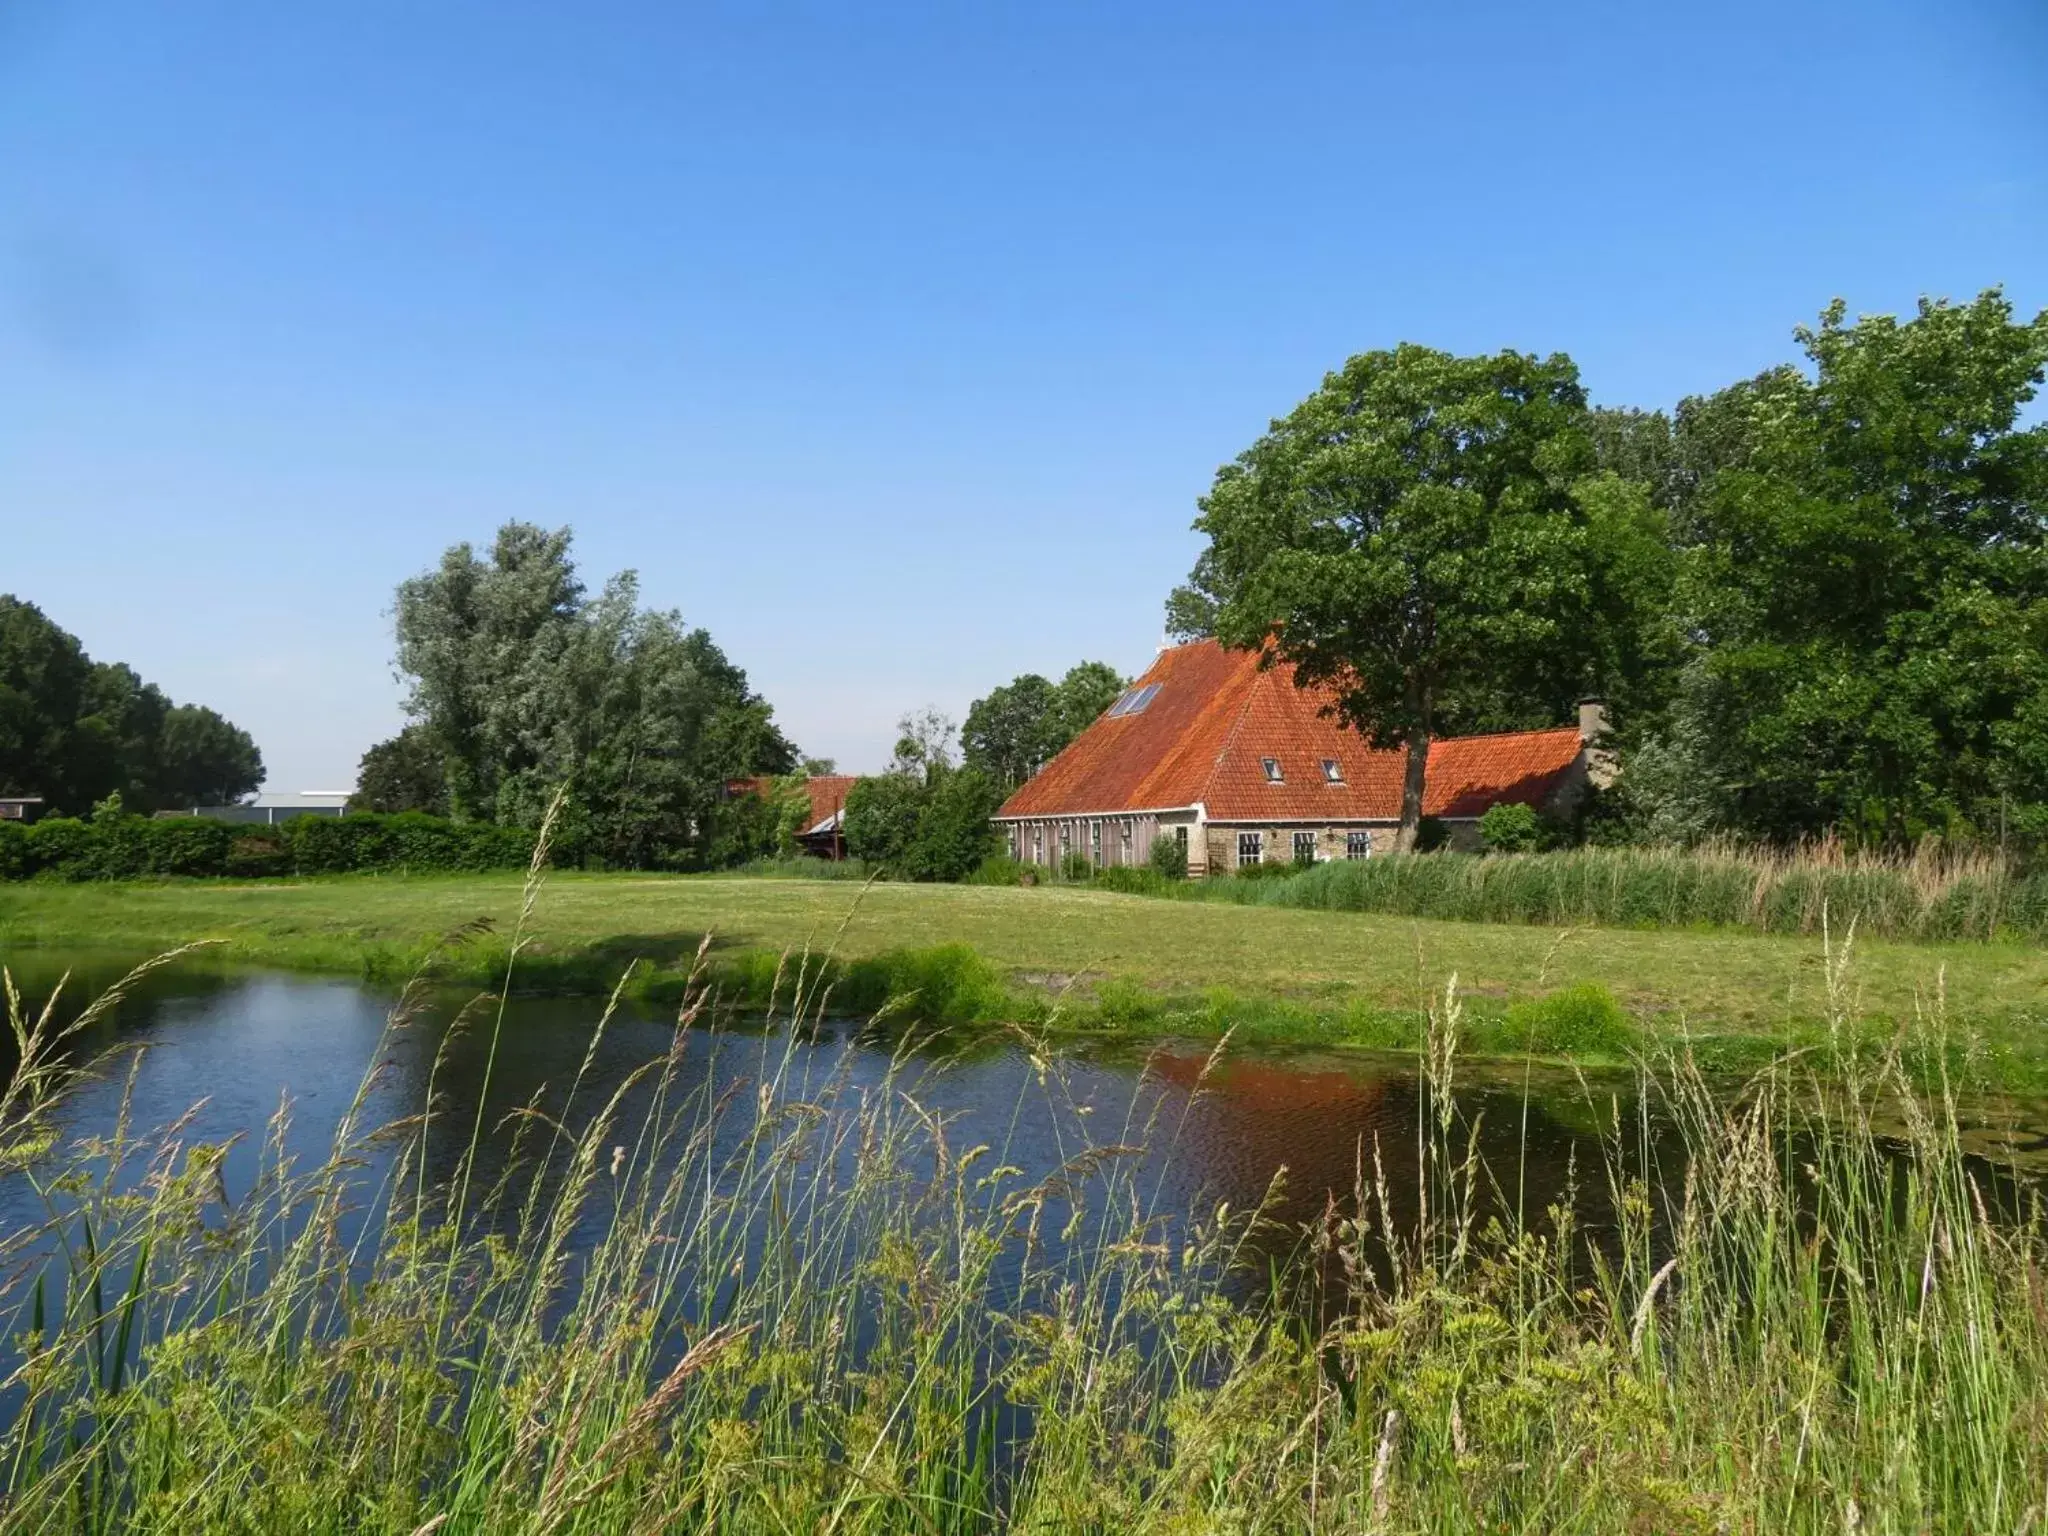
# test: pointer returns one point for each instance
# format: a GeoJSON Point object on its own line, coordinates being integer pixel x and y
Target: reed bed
{"type": "Point", "coordinates": [805, 1308]}
{"type": "Point", "coordinates": [1929, 895]}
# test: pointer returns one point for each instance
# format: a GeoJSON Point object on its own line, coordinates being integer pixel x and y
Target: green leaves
{"type": "Point", "coordinates": [1816, 601]}
{"type": "Point", "coordinates": [522, 683]}
{"type": "Point", "coordinates": [929, 826]}
{"type": "Point", "coordinates": [1869, 582]}
{"type": "Point", "coordinates": [1021, 726]}
{"type": "Point", "coordinates": [1426, 535]}
{"type": "Point", "coordinates": [75, 731]}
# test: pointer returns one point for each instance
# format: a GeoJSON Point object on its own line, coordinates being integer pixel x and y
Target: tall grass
{"type": "Point", "coordinates": [804, 1307]}
{"type": "Point", "coordinates": [1930, 895]}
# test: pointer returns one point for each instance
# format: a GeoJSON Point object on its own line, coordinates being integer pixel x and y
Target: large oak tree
{"type": "Point", "coordinates": [1426, 535]}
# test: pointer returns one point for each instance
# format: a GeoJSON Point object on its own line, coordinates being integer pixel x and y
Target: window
{"type": "Point", "coordinates": [1180, 835]}
{"type": "Point", "coordinates": [1250, 846]}
{"type": "Point", "coordinates": [1126, 829]}
{"type": "Point", "coordinates": [1357, 845]}
{"type": "Point", "coordinates": [1333, 771]}
{"type": "Point", "coordinates": [1037, 843]}
{"type": "Point", "coordinates": [1304, 847]}
{"type": "Point", "coordinates": [1272, 767]}
{"type": "Point", "coordinates": [1066, 834]}
{"type": "Point", "coordinates": [1132, 701]}
{"type": "Point", "coordinates": [1095, 841]}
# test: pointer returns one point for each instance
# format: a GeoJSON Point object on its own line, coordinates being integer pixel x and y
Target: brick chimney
{"type": "Point", "coordinates": [1602, 767]}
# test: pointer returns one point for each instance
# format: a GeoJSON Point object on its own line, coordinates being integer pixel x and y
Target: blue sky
{"type": "Point", "coordinates": [893, 343]}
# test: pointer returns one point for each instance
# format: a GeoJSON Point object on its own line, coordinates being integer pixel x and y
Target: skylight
{"type": "Point", "coordinates": [1333, 771]}
{"type": "Point", "coordinates": [1133, 701]}
{"type": "Point", "coordinates": [1272, 767]}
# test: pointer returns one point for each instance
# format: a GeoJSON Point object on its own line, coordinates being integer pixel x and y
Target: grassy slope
{"type": "Point", "coordinates": [1717, 980]}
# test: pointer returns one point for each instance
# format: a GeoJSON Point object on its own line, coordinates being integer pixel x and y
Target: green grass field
{"type": "Point", "coordinates": [1050, 938]}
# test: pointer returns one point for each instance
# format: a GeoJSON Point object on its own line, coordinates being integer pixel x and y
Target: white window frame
{"type": "Point", "coordinates": [1309, 838]}
{"type": "Point", "coordinates": [1255, 844]}
{"type": "Point", "coordinates": [1357, 845]}
{"type": "Point", "coordinates": [1333, 771]}
{"type": "Point", "coordinates": [1274, 775]}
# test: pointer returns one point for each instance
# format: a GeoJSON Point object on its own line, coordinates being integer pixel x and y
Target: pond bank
{"type": "Point", "coordinates": [1081, 962]}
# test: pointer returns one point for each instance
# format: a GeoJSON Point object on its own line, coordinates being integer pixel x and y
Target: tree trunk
{"type": "Point", "coordinates": [1412, 781]}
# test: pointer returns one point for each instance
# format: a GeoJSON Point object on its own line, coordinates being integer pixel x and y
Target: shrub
{"type": "Point", "coordinates": [1124, 1004]}
{"type": "Point", "coordinates": [120, 844]}
{"type": "Point", "coordinates": [118, 847]}
{"type": "Point", "coordinates": [14, 851]}
{"type": "Point", "coordinates": [1511, 828]}
{"type": "Point", "coordinates": [1169, 858]}
{"type": "Point", "coordinates": [187, 845]}
{"type": "Point", "coordinates": [333, 845]}
{"type": "Point", "coordinates": [63, 847]}
{"type": "Point", "coordinates": [1267, 871]}
{"type": "Point", "coordinates": [1131, 879]}
{"type": "Point", "coordinates": [1075, 865]}
{"type": "Point", "coordinates": [1431, 833]}
{"type": "Point", "coordinates": [1579, 1020]}
{"type": "Point", "coordinates": [948, 984]}
{"type": "Point", "coordinates": [954, 831]}
{"type": "Point", "coordinates": [256, 852]}
{"type": "Point", "coordinates": [1001, 869]}
{"type": "Point", "coordinates": [881, 818]}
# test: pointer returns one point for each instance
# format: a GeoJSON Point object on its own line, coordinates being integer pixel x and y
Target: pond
{"type": "Point", "coordinates": [220, 1054]}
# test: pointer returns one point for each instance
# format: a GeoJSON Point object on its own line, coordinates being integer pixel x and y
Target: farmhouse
{"type": "Point", "coordinates": [1239, 765]}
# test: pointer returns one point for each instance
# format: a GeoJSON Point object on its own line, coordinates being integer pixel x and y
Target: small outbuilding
{"type": "Point", "coordinates": [824, 834]}
{"type": "Point", "coordinates": [268, 810]}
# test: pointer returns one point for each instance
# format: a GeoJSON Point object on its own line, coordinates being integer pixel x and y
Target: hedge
{"type": "Point", "coordinates": [128, 847]}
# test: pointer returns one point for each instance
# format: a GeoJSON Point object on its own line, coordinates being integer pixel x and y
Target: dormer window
{"type": "Point", "coordinates": [1272, 767]}
{"type": "Point", "coordinates": [1333, 771]}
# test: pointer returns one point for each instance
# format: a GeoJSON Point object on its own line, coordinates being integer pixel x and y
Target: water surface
{"type": "Point", "coordinates": [224, 1053]}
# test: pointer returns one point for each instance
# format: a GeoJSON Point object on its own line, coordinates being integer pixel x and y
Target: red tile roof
{"type": "Point", "coordinates": [1217, 715]}
{"type": "Point", "coordinates": [827, 794]}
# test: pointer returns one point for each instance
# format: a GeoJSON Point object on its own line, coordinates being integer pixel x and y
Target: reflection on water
{"type": "Point", "coordinates": [230, 1050]}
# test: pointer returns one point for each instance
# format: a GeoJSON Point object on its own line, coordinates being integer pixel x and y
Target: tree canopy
{"type": "Point", "coordinates": [76, 731]}
{"type": "Point", "coordinates": [926, 818]}
{"type": "Point", "coordinates": [406, 773]}
{"type": "Point", "coordinates": [1863, 549]}
{"type": "Point", "coordinates": [1022, 725]}
{"type": "Point", "coordinates": [1430, 537]}
{"type": "Point", "coordinates": [521, 682]}
{"type": "Point", "coordinates": [1817, 599]}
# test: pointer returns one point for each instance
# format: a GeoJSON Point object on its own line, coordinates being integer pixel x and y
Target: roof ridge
{"type": "Point", "coordinates": [1540, 730]}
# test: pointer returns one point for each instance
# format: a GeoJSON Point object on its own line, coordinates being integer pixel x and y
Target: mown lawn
{"type": "Point", "coordinates": [1046, 937]}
